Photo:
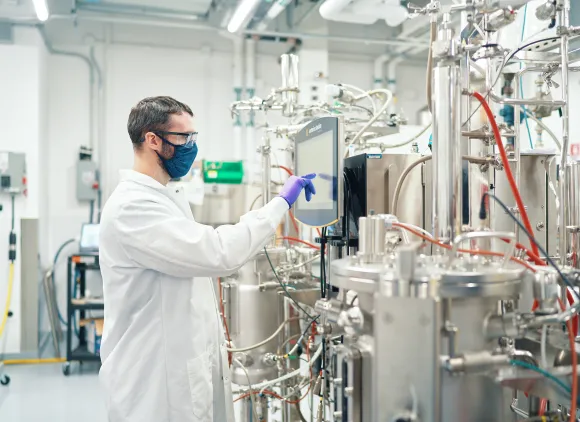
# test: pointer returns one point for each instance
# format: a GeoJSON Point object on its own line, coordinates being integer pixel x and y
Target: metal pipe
{"type": "Point", "coordinates": [132, 19]}
{"type": "Point", "coordinates": [98, 125]}
{"type": "Point", "coordinates": [472, 159]}
{"type": "Point", "coordinates": [149, 12]}
{"type": "Point", "coordinates": [526, 101]}
{"type": "Point", "coordinates": [304, 36]}
{"type": "Point", "coordinates": [266, 170]}
{"type": "Point", "coordinates": [447, 174]}
{"type": "Point", "coordinates": [88, 61]}
{"type": "Point", "coordinates": [563, 185]}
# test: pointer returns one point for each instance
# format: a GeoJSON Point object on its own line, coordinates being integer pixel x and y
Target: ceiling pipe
{"type": "Point", "coordinates": [133, 20]}
{"type": "Point", "coordinates": [379, 70]}
{"type": "Point", "coordinates": [333, 10]}
{"type": "Point", "coordinates": [355, 40]}
{"type": "Point", "coordinates": [150, 12]}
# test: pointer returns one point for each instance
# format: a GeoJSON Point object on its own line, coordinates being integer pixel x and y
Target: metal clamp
{"type": "Point", "coordinates": [481, 235]}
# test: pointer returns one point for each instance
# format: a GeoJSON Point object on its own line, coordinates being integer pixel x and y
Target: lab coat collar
{"type": "Point", "coordinates": [142, 179]}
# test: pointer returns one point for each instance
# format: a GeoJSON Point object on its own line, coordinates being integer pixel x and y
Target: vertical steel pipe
{"type": "Point", "coordinates": [564, 185]}
{"type": "Point", "coordinates": [266, 170]}
{"type": "Point", "coordinates": [447, 173]}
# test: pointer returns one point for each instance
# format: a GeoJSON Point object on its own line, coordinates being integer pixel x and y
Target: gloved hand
{"type": "Point", "coordinates": [294, 185]}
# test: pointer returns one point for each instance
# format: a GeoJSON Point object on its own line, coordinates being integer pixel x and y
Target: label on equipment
{"type": "Point", "coordinates": [575, 151]}
{"type": "Point", "coordinates": [374, 156]}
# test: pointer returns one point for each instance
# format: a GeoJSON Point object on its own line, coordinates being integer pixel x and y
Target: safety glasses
{"type": "Point", "coordinates": [190, 137]}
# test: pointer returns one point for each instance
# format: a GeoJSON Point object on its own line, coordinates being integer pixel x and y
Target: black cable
{"type": "Point", "coordinates": [285, 289]}
{"type": "Point", "coordinates": [13, 196]}
{"type": "Point", "coordinates": [533, 239]}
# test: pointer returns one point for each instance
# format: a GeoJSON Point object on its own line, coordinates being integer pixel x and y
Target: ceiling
{"type": "Point", "coordinates": [195, 24]}
{"type": "Point", "coordinates": [170, 7]}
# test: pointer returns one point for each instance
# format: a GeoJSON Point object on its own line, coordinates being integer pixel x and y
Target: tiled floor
{"type": "Point", "coordinates": [41, 393]}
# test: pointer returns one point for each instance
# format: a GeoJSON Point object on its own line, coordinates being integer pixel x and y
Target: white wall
{"type": "Point", "coordinates": [200, 78]}
{"type": "Point", "coordinates": [22, 111]}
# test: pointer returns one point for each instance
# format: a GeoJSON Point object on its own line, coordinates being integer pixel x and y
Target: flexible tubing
{"type": "Point", "coordinates": [422, 230]}
{"type": "Point", "coordinates": [546, 128]}
{"type": "Point", "coordinates": [364, 94]}
{"type": "Point", "coordinates": [290, 374]}
{"type": "Point", "coordinates": [403, 176]}
{"type": "Point", "coordinates": [33, 361]}
{"type": "Point", "coordinates": [507, 168]}
{"type": "Point", "coordinates": [260, 344]}
{"type": "Point", "coordinates": [286, 169]}
{"type": "Point", "coordinates": [469, 251]}
{"type": "Point", "coordinates": [252, 403]}
{"type": "Point", "coordinates": [296, 240]}
{"type": "Point", "coordinates": [373, 120]}
{"type": "Point", "coordinates": [407, 142]}
{"type": "Point", "coordinates": [8, 299]}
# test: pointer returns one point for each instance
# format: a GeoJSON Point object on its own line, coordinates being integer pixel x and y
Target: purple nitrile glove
{"type": "Point", "coordinates": [294, 185]}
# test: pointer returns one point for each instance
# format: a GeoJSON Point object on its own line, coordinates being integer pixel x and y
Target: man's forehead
{"type": "Point", "coordinates": [182, 123]}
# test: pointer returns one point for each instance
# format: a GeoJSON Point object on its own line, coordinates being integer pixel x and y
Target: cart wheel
{"type": "Point", "coordinates": [66, 369]}
{"type": "Point", "coordinates": [5, 380]}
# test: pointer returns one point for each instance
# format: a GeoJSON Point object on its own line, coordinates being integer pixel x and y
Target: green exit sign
{"type": "Point", "coordinates": [224, 172]}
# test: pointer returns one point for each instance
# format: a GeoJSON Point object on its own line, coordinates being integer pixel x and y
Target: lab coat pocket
{"type": "Point", "coordinates": [200, 386]}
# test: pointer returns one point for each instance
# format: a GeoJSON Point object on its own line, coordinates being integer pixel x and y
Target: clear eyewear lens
{"type": "Point", "coordinates": [191, 139]}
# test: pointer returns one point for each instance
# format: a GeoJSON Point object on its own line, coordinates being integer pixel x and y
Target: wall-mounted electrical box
{"type": "Point", "coordinates": [87, 176]}
{"type": "Point", "coordinates": [12, 172]}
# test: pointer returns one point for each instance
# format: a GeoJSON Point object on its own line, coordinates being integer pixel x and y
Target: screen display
{"type": "Point", "coordinates": [317, 156]}
{"type": "Point", "coordinates": [90, 237]}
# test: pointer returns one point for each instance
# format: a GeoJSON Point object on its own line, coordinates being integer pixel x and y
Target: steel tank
{"type": "Point", "coordinates": [254, 309]}
{"type": "Point", "coordinates": [414, 313]}
{"type": "Point", "coordinates": [538, 190]}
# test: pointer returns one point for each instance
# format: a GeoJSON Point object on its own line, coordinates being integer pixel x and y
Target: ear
{"type": "Point", "coordinates": [153, 141]}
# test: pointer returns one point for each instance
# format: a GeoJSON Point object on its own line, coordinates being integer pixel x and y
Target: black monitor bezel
{"type": "Point", "coordinates": [319, 218]}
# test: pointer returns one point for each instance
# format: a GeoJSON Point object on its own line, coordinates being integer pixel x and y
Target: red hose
{"type": "Point", "coordinates": [296, 240]}
{"type": "Point", "coordinates": [294, 223]}
{"type": "Point", "coordinates": [508, 170]}
{"type": "Point", "coordinates": [287, 170]}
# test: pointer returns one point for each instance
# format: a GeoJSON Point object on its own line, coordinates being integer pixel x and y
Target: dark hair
{"type": "Point", "coordinates": [152, 114]}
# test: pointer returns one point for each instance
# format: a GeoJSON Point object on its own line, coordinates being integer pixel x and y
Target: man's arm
{"type": "Point", "coordinates": [155, 238]}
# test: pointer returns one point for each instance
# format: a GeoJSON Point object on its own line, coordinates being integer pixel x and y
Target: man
{"type": "Point", "coordinates": [161, 359]}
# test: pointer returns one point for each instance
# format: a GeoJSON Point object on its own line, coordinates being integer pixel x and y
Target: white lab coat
{"type": "Point", "coordinates": [161, 355]}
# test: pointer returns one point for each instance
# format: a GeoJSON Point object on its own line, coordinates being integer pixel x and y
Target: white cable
{"type": "Point", "coordinates": [290, 374]}
{"type": "Point", "coordinates": [546, 128]}
{"type": "Point", "coordinates": [298, 343]}
{"type": "Point", "coordinates": [241, 365]}
{"type": "Point", "coordinates": [402, 144]}
{"type": "Point", "coordinates": [260, 344]}
{"type": "Point", "coordinates": [544, 339]}
{"type": "Point", "coordinates": [364, 94]}
{"type": "Point", "coordinates": [422, 230]}
{"type": "Point", "coordinates": [373, 120]}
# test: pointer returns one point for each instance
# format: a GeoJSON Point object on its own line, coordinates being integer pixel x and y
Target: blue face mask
{"type": "Point", "coordinates": [179, 164]}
